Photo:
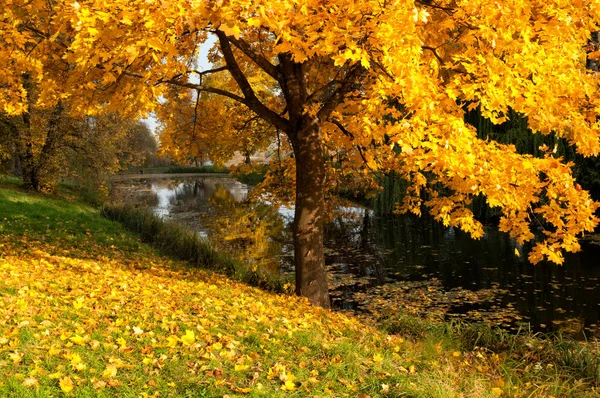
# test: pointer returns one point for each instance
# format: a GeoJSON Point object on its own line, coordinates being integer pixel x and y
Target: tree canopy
{"type": "Point", "coordinates": [382, 84]}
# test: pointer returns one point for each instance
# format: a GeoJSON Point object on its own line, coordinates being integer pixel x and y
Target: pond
{"type": "Point", "coordinates": [382, 265]}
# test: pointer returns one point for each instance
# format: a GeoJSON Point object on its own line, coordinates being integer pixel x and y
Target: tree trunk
{"type": "Point", "coordinates": [30, 170]}
{"type": "Point", "coordinates": [311, 275]}
{"type": "Point", "coordinates": [26, 155]}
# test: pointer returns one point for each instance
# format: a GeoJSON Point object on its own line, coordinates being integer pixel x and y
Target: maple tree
{"type": "Point", "coordinates": [384, 84]}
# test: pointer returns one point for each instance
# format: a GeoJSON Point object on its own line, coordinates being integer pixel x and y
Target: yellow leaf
{"type": "Point", "coordinates": [122, 343]}
{"type": "Point", "coordinates": [239, 368]}
{"type": "Point", "coordinates": [288, 386]}
{"type": "Point", "coordinates": [77, 304]}
{"type": "Point", "coordinates": [231, 30]}
{"type": "Point", "coordinates": [15, 356]}
{"type": "Point", "coordinates": [75, 359]}
{"type": "Point", "coordinates": [188, 338]}
{"type": "Point", "coordinates": [364, 61]}
{"type": "Point", "coordinates": [80, 366]}
{"type": "Point", "coordinates": [53, 351]}
{"type": "Point", "coordinates": [110, 371]}
{"type": "Point", "coordinates": [30, 382]}
{"type": "Point", "coordinates": [66, 384]}
{"type": "Point", "coordinates": [172, 341]}
{"type": "Point", "coordinates": [77, 339]}
{"type": "Point", "coordinates": [254, 22]}
{"type": "Point", "coordinates": [496, 391]}
{"type": "Point", "coordinates": [377, 358]}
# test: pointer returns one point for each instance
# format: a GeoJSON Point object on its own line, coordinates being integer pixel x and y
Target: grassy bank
{"type": "Point", "coordinates": [181, 244]}
{"type": "Point", "coordinates": [87, 309]}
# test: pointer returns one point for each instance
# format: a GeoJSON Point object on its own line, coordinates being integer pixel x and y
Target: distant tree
{"type": "Point", "coordinates": [196, 126]}
{"type": "Point", "coordinates": [50, 144]}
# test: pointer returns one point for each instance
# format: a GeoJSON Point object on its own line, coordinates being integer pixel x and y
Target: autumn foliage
{"type": "Point", "coordinates": [382, 85]}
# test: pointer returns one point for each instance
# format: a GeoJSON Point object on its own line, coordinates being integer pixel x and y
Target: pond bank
{"type": "Point", "coordinates": [84, 309]}
{"type": "Point", "coordinates": [451, 275]}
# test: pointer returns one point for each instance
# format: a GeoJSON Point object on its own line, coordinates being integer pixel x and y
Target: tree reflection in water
{"type": "Point", "coordinates": [250, 231]}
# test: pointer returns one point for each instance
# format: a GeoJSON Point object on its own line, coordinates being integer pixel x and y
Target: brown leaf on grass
{"type": "Point", "coordinates": [113, 383]}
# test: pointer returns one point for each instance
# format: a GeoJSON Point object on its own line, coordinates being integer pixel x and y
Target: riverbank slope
{"type": "Point", "coordinates": [86, 309]}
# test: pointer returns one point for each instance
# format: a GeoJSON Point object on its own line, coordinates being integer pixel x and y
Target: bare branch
{"type": "Point", "coordinates": [196, 114]}
{"type": "Point", "coordinates": [206, 72]}
{"type": "Point", "coordinates": [430, 3]}
{"type": "Point", "coordinates": [192, 86]}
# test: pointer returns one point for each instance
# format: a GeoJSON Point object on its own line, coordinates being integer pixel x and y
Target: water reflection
{"type": "Point", "coordinates": [448, 274]}
{"type": "Point", "coordinates": [215, 208]}
{"type": "Point", "coordinates": [390, 264]}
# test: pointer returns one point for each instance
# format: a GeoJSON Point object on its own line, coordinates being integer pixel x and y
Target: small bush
{"type": "Point", "coordinates": [252, 178]}
{"type": "Point", "coordinates": [182, 244]}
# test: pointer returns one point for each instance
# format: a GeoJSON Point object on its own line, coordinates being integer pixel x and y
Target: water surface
{"type": "Point", "coordinates": [390, 264]}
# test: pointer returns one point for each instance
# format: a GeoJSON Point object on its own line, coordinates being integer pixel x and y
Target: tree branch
{"type": "Point", "coordinates": [206, 72]}
{"type": "Point", "coordinates": [250, 99]}
{"type": "Point", "coordinates": [430, 3]}
{"type": "Point", "coordinates": [192, 86]}
{"type": "Point", "coordinates": [42, 34]}
{"type": "Point", "coordinates": [434, 51]}
{"type": "Point", "coordinates": [338, 95]}
{"type": "Point", "coordinates": [259, 60]}
{"type": "Point", "coordinates": [358, 147]}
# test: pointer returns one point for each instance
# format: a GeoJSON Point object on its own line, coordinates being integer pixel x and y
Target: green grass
{"type": "Point", "coordinates": [26, 215]}
{"type": "Point", "coordinates": [527, 357]}
{"type": "Point", "coordinates": [54, 252]}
